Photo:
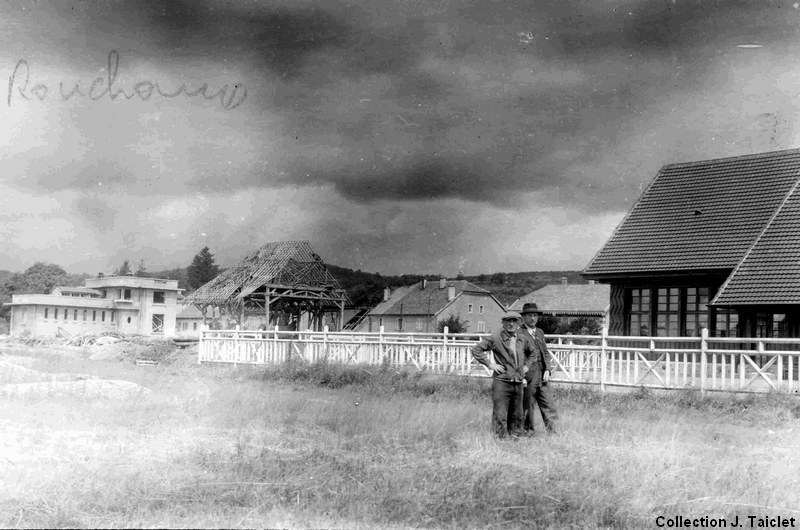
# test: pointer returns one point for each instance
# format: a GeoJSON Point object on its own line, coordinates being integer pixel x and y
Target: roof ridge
{"type": "Point", "coordinates": [749, 156]}
{"type": "Point", "coordinates": [755, 242]}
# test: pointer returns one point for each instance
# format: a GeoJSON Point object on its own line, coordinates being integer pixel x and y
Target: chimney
{"type": "Point", "coordinates": [451, 293]}
{"type": "Point", "coordinates": [424, 283]}
{"type": "Point", "coordinates": [563, 280]}
{"type": "Point", "coordinates": [442, 283]}
{"type": "Point", "coordinates": [386, 293]}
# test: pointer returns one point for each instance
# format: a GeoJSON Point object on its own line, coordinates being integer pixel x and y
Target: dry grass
{"type": "Point", "coordinates": [324, 447]}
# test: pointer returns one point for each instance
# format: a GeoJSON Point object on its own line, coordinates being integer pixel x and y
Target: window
{"type": "Point", "coordinates": [469, 308]}
{"type": "Point", "coordinates": [127, 294]}
{"type": "Point", "coordinates": [85, 313]}
{"type": "Point", "coordinates": [194, 326]}
{"type": "Point", "coordinates": [399, 324]}
{"type": "Point", "coordinates": [103, 316]}
{"type": "Point", "coordinates": [112, 316]}
{"type": "Point", "coordinates": [75, 315]}
{"type": "Point", "coordinates": [639, 322]}
{"type": "Point", "coordinates": [158, 323]}
{"type": "Point", "coordinates": [119, 294]}
{"type": "Point", "coordinates": [696, 310]}
{"type": "Point", "coordinates": [380, 322]}
{"type": "Point", "coordinates": [726, 323]}
{"type": "Point", "coordinates": [158, 297]}
{"type": "Point", "coordinates": [94, 316]}
{"type": "Point", "coordinates": [667, 323]}
{"type": "Point", "coordinates": [480, 309]}
{"type": "Point", "coordinates": [419, 324]}
{"type": "Point", "coordinates": [481, 326]}
{"type": "Point", "coordinates": [55, 314]}
{"type": "Point", "coordinates": [46, 311]}
{"type": "Point", "coordinates": [771, 325]}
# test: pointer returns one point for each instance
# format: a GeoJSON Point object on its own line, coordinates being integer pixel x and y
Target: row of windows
{"type": "Point", "coordinates": [57, 312]}
{"type": "Point", "coordinates": [480, 309]}
{"type": "Point", "coordinates": [184, 326]}
{"type": "Point", "coordinates": [159, 297]}
{"type": "Point", "coordinates": [677, 311]}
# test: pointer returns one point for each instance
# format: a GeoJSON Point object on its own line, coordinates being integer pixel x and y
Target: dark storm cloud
{"type": "Point", "coordinates": [281, 37]}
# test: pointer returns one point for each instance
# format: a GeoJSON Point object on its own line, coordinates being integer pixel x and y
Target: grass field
{"type": "Point", "coordinates": [325, 447]}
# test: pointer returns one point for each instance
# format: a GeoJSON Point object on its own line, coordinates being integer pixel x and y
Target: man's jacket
{"type": "Point", "coordinates": [540, 360]}
{"type": "Point", "coordinates": [497, 343]}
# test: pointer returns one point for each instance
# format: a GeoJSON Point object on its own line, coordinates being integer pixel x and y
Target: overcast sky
{"type": "Point", "coordinates": [396, 136]}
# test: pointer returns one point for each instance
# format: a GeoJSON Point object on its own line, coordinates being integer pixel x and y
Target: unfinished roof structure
{"type": "Point", "coordinates": [286, 276]}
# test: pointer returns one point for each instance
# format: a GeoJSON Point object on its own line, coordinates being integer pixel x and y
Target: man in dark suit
{"type": "Point", "coordinates": [512, 353]}
{"type": "Point", "coordinates": [538, 375]}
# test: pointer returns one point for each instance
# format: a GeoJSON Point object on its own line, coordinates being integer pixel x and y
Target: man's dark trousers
{"type": "Point", "coordinates": [543, 396]}
{"type": "Point", "coordinates": [507, 401]}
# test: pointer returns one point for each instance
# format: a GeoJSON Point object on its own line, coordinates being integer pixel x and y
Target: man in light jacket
{"type": "Point", "coordinates": [511, 352]}
{"type": "Point", "coordinates": [537, 377]}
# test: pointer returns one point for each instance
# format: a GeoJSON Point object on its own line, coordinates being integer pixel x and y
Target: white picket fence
{"type": "Point", "coordinates": [707, 364]}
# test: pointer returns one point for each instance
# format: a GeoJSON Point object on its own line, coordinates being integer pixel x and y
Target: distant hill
{"type": "Point", "coordinates": [365, 289]}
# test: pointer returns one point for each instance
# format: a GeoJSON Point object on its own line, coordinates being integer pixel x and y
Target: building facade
{"type": "Point", "coordinates": [711, 244]}
{"type": "Point", "coordinates": [125, 304]}
{"type": "Point", "coordinates": [418, 308]}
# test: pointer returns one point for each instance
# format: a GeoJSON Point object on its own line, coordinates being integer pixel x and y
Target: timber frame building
{"type": "Point", "coordinates": [282, 283]}
{"type": "Point", "coordinates": [711, 244]}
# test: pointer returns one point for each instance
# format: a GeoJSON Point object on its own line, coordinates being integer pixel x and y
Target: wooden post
{"type": "Point", "coordinates": [603, 346]}
{"type": "Point", "coordinates": [275, 342]}
{"type": "Point", "coordinates": [325, 341]}
{"type": "Point", "coordinates": [266, 306]}
{"type": "Point", "coordinates": [703, 362]}
{"type": "Point", "coordinates": [445, 331]}
{"type": "Point", "coordinates": [380, 342]}
{"type": "Point", "coordinates": [341, 315]}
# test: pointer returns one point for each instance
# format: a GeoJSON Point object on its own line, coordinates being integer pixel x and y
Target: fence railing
{"type": "Point", "coordinates": [707, 364]}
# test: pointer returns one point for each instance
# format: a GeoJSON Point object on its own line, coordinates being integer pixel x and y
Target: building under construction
{"type": "Point", "coordinates": [284, 284]}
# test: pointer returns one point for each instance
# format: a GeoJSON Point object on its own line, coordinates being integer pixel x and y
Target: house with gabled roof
{"type": "Point", "coordinates": [419, 307]}
{"type": "Point", "coordinates": [712, 243]}
{"type": "Point", "coordinates": [569, 301]}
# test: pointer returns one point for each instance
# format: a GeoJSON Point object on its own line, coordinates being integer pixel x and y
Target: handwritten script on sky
{"type": "Point", "coordinates": [20, 84]}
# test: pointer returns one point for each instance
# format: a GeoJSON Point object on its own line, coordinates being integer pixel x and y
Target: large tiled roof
{"type": "Point", "coordinates": [571, 299]}
{"type": "Point", "coordinates": [286, 264]}
{"type": "Point", "coordinates": [770, 271]}
{"type": "Point", "coordinates": [699, 215]}
{"type": "Point", "coordinates": [414, 300]}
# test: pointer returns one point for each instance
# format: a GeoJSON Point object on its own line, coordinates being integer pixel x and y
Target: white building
{"type": "Point", "coordinates": [125, 304]}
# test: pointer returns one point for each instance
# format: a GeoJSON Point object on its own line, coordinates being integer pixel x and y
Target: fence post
{"type": "Point", "coordinates": [445, 331]}
{"type": "Point", "coordinates": [201, 345]}
{"type": "Point", "coordinates": [380, 342]}
{"type": "Point", "coordinates": [703, 366]}
{"type": "Point", "coordinates": [236, 344]}
{"type": "Point", "coordinates": [325, 342]}
{"type": "Point", "coordinates": [275, 344]}
{"type": "Point", "coordinates": [603, 346]}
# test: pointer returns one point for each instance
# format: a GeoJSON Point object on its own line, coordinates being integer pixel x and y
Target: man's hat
{"type": "Point", "coordinates": [531, 307]}
{"type": "Point", "coordinates": [512, 315]}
